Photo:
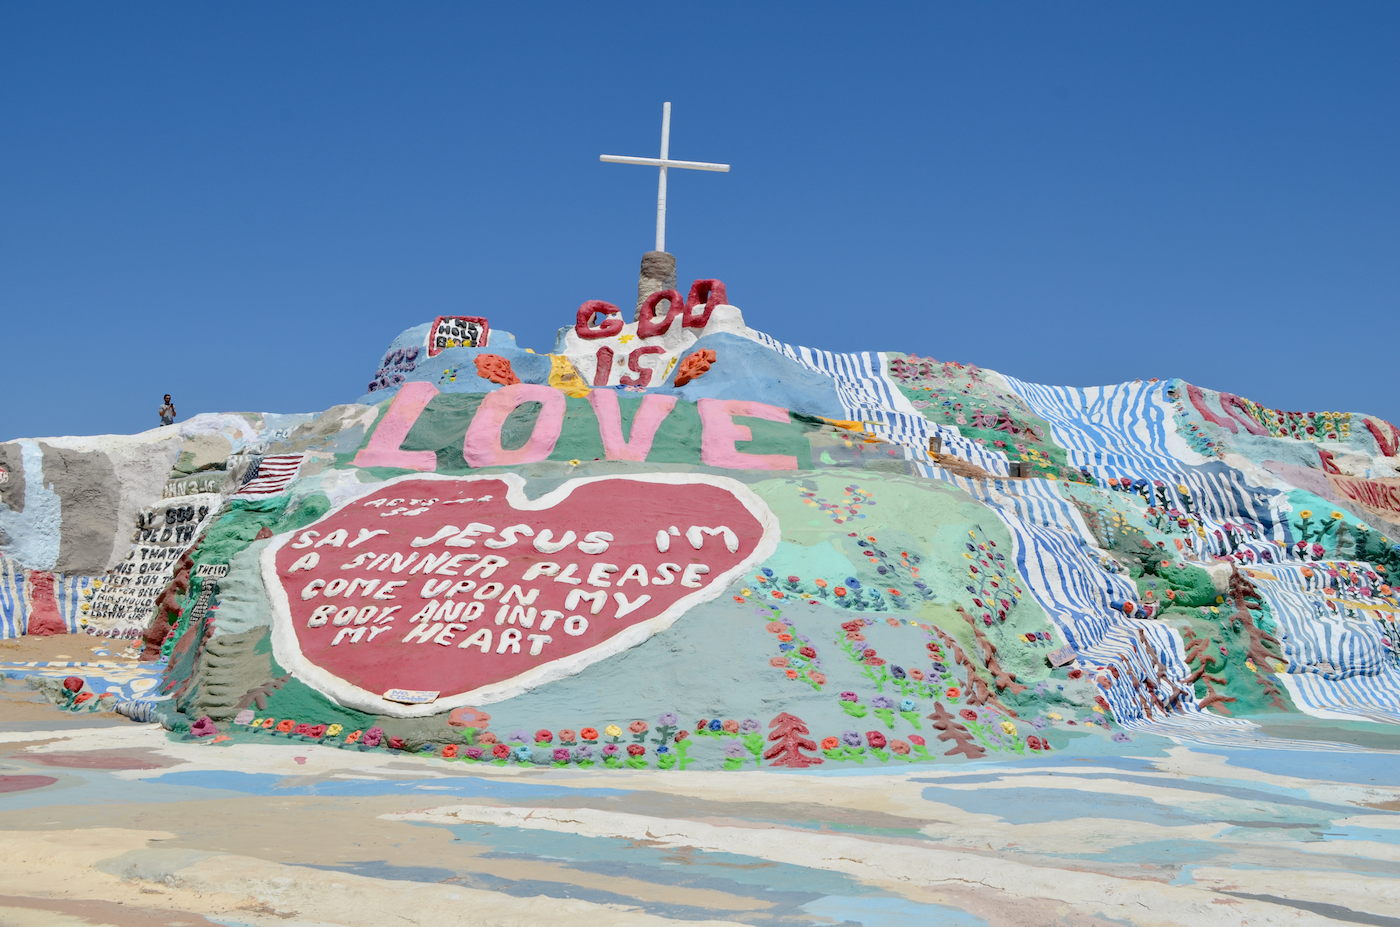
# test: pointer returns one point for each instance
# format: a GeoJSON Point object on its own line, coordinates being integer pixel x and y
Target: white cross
{"type": "Point", "coordinates": [663, 162]}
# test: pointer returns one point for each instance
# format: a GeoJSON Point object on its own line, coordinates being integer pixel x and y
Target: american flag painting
{"type": "Point", "coordinates": [267, 476]}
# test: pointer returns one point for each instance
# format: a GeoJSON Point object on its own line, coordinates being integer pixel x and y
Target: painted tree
{"type": "Point", "coordinates": [789, 740]}
{"type": "Point", "coordinates": [954, 731]}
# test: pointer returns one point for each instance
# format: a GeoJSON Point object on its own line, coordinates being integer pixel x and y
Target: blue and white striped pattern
{"type": "Point", "coordinates": [14, 604]}
{"type": "Point", "coordinates": [69, 593]}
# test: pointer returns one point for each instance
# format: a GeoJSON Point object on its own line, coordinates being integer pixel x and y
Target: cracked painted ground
{"type": "Point", "coordinates": [109, 822]}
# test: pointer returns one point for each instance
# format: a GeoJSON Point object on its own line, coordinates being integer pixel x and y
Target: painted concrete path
{"type": "Point", "coordinates": [107, 822]}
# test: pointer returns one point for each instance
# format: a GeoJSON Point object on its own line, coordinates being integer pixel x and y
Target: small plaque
{"type": "Point", "coordinates": [411, 696]}
{"type": "Point", "coordinates": [1063, 656]}
{"type": "Point", "coordinates": [457, 331]}
{"type": "Point", "coordinates": [4, 475]}
{"type": "Point", "coordinates": [211, 570]}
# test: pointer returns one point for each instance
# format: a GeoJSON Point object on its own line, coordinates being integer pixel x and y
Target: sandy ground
{"type": "Point", "coordinates": [109, 822]}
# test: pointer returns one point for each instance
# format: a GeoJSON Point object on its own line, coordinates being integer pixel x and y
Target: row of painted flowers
{"type": "Point", "coordinates": [741, 742]}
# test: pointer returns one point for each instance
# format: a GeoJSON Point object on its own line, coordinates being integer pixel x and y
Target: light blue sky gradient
{"type": "Point", "coordinates": [243, 204]}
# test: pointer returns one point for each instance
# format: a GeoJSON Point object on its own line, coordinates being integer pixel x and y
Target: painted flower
{"type": "Point", "coordinates": [882, 701]}
{"type": "Point", "coordinates": [730, 726]}
{"type": "Point", "coordinates": [733, 750]}
{"type": "Point", "coordinates": [715, 725]}
{"type": "Point", "coordinates": [1008, 728]}
{"type": "Point", "coordinates": [849, 697]}
{"type": "Point", "coordinates": [561, 754]}
{"type": "Point", "coordinates": [784, 637]}
{"type": "Point", "coordinates": [353, 737]}
{"type": "Point", "coordinates": [668, 719]}
{"type": "Point", "coordinates": [589, 733]}
{"type": "Point", "coordinates": [874, 661]}
{"type": "Point", "coordinates": [967, 714]}
{"type": "Point", "coordinates": [284, 727]}
{"type": "Point", "coordinates": [637, 727]}
{"type": "Point", "coordinates": [850, 738]}
{"type": "Point", "coordinates": [778, 662]}
{"type": "Point", "coordinates": [396, 743]}
{"type": "Point", "coordinates": [635, 749]}
{"type": "Point", "coordinates": [840, 590]}
{"type": "Point", "coordinates": [900, 747]}
{"type": "Point", "coordinates": [818, 678]}
{"type": "Point", "coordinates": [681, 735]}
{"type": "Point", "coordinates": [334, 730]}
{"type": "Point", "coordinates": [748, 726]}
{"type": "Point", "coordinates": [583, 752]}
{"type": "Point", "coordinates": [612, 730]}
{"type": "Point", "coordinates": [1305, 513]}
{"type": "Point", "coordinates": [611, 749]}
{"type": "Point", "coordinates": [317, 730]}
{"type": "Point", "coordinates": [875, 739]}
{"type": "Point", "coordinates": [543, 736]}
{"type": "Point", "coordinates": [449, 752]}
{"type": "Point", "coordinates": [821, 583]}
{"type": "Point", "coordinates": [521, 753]}
{"type": "Point", "coordinates": [954, 692]}
{"type": "Point", "coordinates": [808, 652]}
{"type": "Point", "coordinates": [897, 671]}
{"type": "Point", "coordinates": [472, 753]}
{"type": "Point", "coordinates": [500, 751]}
{"type": "Point", "coordinates": [917, 740]}
{"type": "Point", "coordinates": [830, 743]}
{"type": "Point", "coordinates": [917, 675]}
{"type": "Point", "coordinates": [486, 737]}
{"type": "Point", "coordinates": [855, 636]}
{"type": "Point", "coordinates": [791, 674]}
{"type": "Point", "coordinates": [1035, 742]}
{"type": "Point", "coordinates": [302, 730]}
{"type": "Point", "coordinates": [908, 704]}
{"type": "Point", "coordinates": [567, 736]}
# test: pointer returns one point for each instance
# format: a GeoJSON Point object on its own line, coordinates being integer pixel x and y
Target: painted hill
{"type": "Point", "coordinates": [676, 541]}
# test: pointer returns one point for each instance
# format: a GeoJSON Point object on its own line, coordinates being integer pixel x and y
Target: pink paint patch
{"type": "Point", "coordinates": [95, 761]}
{"type": "Point", "coordinates": [22, 783]}
{"type": "Point", "coordinates": [301, 760]}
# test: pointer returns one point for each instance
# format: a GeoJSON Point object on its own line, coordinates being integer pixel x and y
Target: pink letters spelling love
{"type": "Point", "coordinates": [482, 445]}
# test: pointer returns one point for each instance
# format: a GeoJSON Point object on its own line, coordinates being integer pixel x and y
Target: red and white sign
{"type": "Point", "coordinates": [465, 587]}
{"type": "Point", "coordinates": [457, 331]}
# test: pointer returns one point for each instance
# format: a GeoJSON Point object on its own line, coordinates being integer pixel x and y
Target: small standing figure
{"type": "Point", "coordinates": [167, 412]}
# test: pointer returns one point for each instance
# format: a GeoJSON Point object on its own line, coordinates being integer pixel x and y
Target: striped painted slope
{"type": "Point", "coordinates": [14, 609]}
{"type": "Point", "coordinates": [1055, 553]}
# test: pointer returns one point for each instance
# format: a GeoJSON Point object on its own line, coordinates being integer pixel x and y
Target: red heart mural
{"type": "Point", "coordinates": [464, 588]}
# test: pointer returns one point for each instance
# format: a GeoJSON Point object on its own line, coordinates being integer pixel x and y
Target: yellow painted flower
{"type": "Point", "coordinates": [1337, 516]}
{"type": "Point", "coordinates": [1249, 665]}
{"type": "Point", "coordinates": [612, 730]}
{"type": "Point", "coordinates": [575, 462]}
{"type": "Point", "coordinates": [625, 338]}
{"type": "Point", "coordinates": [1008, 727]}
{"type": "Point", "coordinates": [1306, 513]}
{"type": "Point", "coordinates": [334, 730]}
{"type": "Point", "coordinates": [1279, 667]}
{"type": "Point", "coordinates": [1098, 708]}
{"type": "Point", "coordinates": [1053, 716]}
{"type": "Point", "coordinates": [746, 592]}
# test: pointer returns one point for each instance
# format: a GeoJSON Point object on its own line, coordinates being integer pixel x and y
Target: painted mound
{"type": "Point", "coordinates": [678, 542]}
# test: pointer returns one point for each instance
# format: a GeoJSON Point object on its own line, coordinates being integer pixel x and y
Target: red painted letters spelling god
{"type": "Point", "coordinates": [444, 585]}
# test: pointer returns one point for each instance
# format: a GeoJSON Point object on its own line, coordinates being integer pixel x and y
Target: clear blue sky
{"type": "Point", "coordinates": [241, 204]}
